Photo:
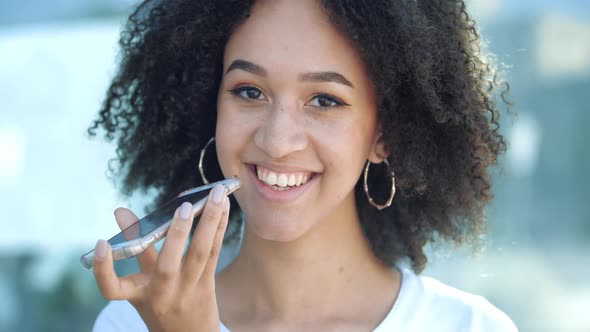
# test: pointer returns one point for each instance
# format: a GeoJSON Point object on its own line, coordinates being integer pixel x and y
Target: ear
{"type": "Point", "coordinates": [378, 151]}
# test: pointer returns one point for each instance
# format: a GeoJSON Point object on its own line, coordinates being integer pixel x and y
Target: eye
{"type": "Point", "coordinates": [248, 93]}
{"type": "Point", "coordinates": [326, 101]}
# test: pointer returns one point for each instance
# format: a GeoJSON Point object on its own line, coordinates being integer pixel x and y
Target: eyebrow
{"type": "Point", "coordinates": [247, 66]}
{"type": "Point", "coordinates": [325, 76]}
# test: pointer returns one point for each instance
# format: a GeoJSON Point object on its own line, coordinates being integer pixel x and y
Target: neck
{"type": "Point", "coordinates": [316, 275]}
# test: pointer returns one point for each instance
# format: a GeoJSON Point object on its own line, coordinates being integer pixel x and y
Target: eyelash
{"type": "Point", "coordinates": [337, 101]}
{"type": "Point", "coordinates": [237, 92]}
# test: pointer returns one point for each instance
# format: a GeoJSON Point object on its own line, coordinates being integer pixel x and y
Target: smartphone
{"type": "Point", "coordinates": [150, 229]}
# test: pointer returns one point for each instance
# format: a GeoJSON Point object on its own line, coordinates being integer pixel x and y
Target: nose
{"type": "Point", "coordinates": [281, 132]}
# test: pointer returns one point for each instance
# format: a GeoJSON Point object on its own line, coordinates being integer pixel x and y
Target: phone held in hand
{"type": "Point", "coordinates": [150, 229]}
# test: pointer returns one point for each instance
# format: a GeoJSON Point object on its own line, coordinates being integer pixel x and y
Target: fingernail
{"type": "Point", "coordinates": [100, 252]}
{"type": "Point", "coordinates": [185, 210]}
{"type": "Point", "coordinates": [218, 193]}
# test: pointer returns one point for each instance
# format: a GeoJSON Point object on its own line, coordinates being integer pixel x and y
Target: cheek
{"type": "Point", "coordinates": [225, 130]}
{"type": "Point", "coordinates": [344, 152]}
{"type": "Point", "coordinates": [234, 130]}
{"type": "Point", "coordinates": [233, 120]}
{"type": "Point", "coordinates": [346, 142]}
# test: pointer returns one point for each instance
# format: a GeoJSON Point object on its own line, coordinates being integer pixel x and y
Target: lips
{"type": "Point", "coordinates": [282, 179]}
{"type": "Point", "coordinates": [277, 193]}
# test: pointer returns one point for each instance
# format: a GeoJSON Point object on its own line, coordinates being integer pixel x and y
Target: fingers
{"type": "Point", "coordinates": [168, 263]}
{"type": "Point", "coordinates": [211, 266]}
{"type": "Point", "coordinates": [199, 252]}
{"type": "Point", "coordinates": [111, 286]}
{"type": "Point", "coordinates": [126, 218]}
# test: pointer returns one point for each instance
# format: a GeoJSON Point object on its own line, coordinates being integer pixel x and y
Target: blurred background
{"type": "Point", "coordinates": [56, 59]}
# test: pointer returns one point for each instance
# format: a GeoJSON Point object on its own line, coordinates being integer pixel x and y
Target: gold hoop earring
{"type": "Point", "coordinates": [366, 186]}
{"type": "Point", "coordinates": [203, 150]}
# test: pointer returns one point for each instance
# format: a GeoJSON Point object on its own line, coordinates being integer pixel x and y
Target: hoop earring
{"type": "Point", "coordinates": [203, 177]}
{"type": "Point", "coordinates": [366, 186]}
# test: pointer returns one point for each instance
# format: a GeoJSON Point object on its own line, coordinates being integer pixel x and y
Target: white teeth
{"type": "Point", "coordinates": [281, 180]}
{"type": "Point", "coordinates": [271, 178]}
{"type": "Point", "coordinates": [292, 180]}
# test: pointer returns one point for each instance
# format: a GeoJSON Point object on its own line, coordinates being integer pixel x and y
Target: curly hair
{"type": "Point", "coordinates": [435, 92]}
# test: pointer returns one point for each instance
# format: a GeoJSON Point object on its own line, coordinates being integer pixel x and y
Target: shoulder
{"type": "Point", "coordinates": [434, 305]}
{"type": "Point", "coordinates": [470, 310]}
{"type": "Point", "coordinates": [119, 316]}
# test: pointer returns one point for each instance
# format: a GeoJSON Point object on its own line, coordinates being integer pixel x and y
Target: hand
{"type": "Point", "coordinates": [172, 293]}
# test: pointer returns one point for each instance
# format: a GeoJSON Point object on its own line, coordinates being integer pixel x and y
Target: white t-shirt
{"type": "Point", "coordinates": [423, 304]}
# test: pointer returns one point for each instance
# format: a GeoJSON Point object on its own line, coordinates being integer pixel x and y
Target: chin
{"type": "Point", "coordinates": [276, 228]}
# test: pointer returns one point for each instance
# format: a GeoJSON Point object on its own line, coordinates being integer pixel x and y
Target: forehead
{"type": "Point", "coordinates": [293, 36]}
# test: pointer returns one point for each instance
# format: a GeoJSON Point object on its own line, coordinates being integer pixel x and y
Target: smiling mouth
{"type": "Point", "coordinates": [281, 181]}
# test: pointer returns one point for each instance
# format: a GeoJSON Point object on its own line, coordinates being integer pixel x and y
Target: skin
{"type": "Point", "coordinates": [304, 264]}
{"type": "Point", "coordinates": [172, 292]}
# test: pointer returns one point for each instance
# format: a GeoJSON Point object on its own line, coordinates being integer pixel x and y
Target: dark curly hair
{"type": "Point", "coordinates": [435, 92]}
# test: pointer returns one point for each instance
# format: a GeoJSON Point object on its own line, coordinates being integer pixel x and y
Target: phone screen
{"type": "Point", "coordinates": [156, 218]}
{"type": "Point", "coordinates": [153, 220]}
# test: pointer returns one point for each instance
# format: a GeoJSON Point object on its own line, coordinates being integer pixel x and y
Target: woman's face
{"type": "Point", "coordinates": [296, 119]}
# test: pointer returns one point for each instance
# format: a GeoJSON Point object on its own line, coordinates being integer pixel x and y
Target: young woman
{"type": "Point", "coordinates": [360, 130]}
